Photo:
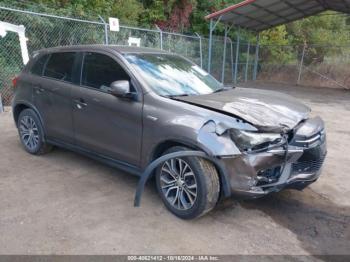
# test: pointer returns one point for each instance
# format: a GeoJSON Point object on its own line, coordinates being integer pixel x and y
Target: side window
{"type": "Point", "coordinates": [60, 66]}
{"type": "Point", "coordinates": [38, 66]}
{"type": "Point", "coordinates": [99, 71]}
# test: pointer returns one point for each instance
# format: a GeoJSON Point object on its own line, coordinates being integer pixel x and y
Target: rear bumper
{"type": "Point", "coordinates": [256, 175]}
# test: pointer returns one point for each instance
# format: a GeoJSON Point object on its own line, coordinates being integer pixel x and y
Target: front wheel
{"type": "Point", "coordinates": [188, 186]}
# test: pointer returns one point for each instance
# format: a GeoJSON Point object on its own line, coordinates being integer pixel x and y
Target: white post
{"type": "Point", "coordinates": [23, 44]}
{"type": "Point", "coordinates": [20, 30]}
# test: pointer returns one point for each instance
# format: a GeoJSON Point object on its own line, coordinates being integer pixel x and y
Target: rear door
{"type": "Point", "coordinates": [103, 123]}
{"type": "Point", "coordinates": [52, 96]}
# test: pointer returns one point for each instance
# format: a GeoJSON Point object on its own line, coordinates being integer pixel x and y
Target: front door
{"type": "Point", "coordinates": [103, 123]}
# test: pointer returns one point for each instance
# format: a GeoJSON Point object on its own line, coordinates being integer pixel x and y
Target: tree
{"type": "Point", "coordinates": [329, 28]}
{"type": "Point", "coordinates": [274, 46]}
{"type": "Point", "coordinates": [319, 33]}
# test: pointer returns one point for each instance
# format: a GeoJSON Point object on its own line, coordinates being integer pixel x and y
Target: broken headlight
{"type": "Point", "coordinates": [253, 141]}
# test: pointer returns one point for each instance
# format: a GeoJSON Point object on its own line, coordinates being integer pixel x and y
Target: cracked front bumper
{"type": "Point", "coordinates": [258, 174]}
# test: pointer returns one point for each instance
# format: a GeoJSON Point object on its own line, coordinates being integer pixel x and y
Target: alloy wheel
{"type": "Point", "coordinates": [29, 132]}
{"type": "Point", "coordinates": [178, 184]}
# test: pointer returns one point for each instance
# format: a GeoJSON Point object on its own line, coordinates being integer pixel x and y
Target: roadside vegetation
{"type": "Point", "coordinates": [326, 35]}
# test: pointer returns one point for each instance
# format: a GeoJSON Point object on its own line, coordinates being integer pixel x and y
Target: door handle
{"type": "Point", "coordinates": [38, 89]}
{"type": "Point", "coordinates": [80, 103]}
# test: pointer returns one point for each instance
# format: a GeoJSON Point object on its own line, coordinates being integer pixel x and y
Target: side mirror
{"type": "Point", "coordinates": [121, 89]}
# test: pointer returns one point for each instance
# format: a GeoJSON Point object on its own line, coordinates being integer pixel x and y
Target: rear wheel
{"type": "Point", "coordinates": [188, 186]}
{"type": "Point", "coordinates": [31, 133]}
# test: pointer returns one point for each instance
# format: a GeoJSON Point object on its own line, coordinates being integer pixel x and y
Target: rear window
{"type": "Point", "coordinates": [37, 68]}
{"type": "Point", "coordinates": [60, 66]}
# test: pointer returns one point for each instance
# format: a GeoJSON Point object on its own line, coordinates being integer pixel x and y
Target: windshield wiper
{"type": "Point", "coordinates": [220, 90]}
{"type": "Point", "coordinates": [226, 88]}
{"type": "Point", "coordinates": [180, 95]}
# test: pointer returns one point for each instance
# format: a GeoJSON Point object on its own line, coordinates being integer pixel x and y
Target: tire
{"type": "Point", "coordinates": [31, 133]}
{"type": "Point", "coordinates": [176, 195]}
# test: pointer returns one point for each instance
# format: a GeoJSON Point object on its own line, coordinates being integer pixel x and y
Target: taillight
{"type": "Point", "coordinates": [14, 81]}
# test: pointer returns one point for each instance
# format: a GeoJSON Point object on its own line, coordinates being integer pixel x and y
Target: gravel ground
{"type": "Point", "coordinates": [64, 203]}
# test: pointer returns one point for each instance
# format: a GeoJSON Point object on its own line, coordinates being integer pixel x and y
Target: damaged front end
{"type": "Point", "coordinates": [293, 161]}
{"type": "Point", "coordinates": [259, 141]}
{"type": "Point", "coordinates": [275, 143]}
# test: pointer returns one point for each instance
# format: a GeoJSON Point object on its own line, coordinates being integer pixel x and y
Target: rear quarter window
{"type": "Point", "coordinates": [60, 66]}
{"type": "Point", "coordinates": [38, 66]}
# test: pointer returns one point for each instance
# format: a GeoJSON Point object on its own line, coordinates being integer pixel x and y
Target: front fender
{"type": "Point", "coordinates": [199, 128]}
{"type": "Point", "coordinates": [216, 144]}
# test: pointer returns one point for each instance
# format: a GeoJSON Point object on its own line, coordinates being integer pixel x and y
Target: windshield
{"type": "Point", "coordinates": [171, 75]}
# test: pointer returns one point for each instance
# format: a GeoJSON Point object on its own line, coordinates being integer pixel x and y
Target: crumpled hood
{"type": "Point", "coordinates": [264, 109]}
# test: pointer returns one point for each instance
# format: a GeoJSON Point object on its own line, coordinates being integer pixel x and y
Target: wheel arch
{"type": "Point", "coordinates": [161, 147]}
{"type": "Point", "coordinates": [165, 145]}
{"type": "Point", "coordinates": [20, 106]}
{"type": "Point", "coordinates": [17, 110]}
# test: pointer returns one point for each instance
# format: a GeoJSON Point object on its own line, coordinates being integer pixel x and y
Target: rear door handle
{"type": "Point", "coordinates": [38, 89]}
{"type": "Point", "coordinates": [80, 103]}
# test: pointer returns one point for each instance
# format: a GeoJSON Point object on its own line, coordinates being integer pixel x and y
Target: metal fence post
{"type": "Point", "coordinates": [200, 49]}
{"type": "Point", "coordinates": [256, 61]}
{"type": "Point", "coordinates": [224, 56]}
{"type": "Point", "coordinates": [301, 64]}
{"type": "Point", "coordinates": [247, 63]}
{"type": "Point", "coordinates": [161, 37]}
{"type": "Point", "coordinates": [106, 29]}
{"type": "Point", "coordinates": [237, 56]}
{"type": "Point", "coordinates": [211, 29]}
{"type": "Point", "coordinates": [1, 105]}
{"type": "Point", "coordinates": [232, 64]}
{"type": "Point", "coordinates": [210, 44]}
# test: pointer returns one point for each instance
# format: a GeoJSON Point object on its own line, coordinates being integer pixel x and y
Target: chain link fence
{"type": "Point", "coordinates": [326, 66]}
{"type": "Point", "coordinates": [186, 45]}
{"type": "Point", "coordinates": [309, 65]}
{"type": "Point", "coordinates": [314, 65]}
{"type": "Point", "coordinates": [41, 32]}
{"type": "Point", "coordinates": [149, 38]}
{"type": "Point", "coordinates": [44, 30]}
